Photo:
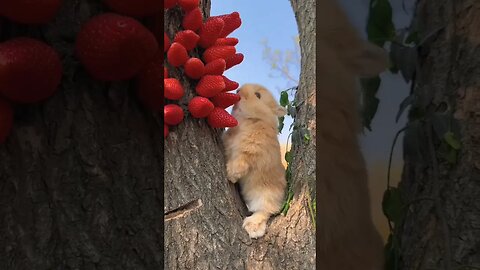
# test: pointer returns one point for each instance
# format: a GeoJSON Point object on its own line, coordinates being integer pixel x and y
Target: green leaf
{"type": "Point", "coordinates": [281, 123]}
{"type": "Point", "coordinates": [405, 103]}
{"type": "Point", "coordinates": [306, 138]}
{"type": "Point", "coordinates": [370, 101]}
{"type": "Point", "coordinates": [449, 137]}
{"type": "Point", "coordinates": [380, 26]}
{"type": "Point", "coordinates": [413, 38]}
{"type": "Point", "coordinates": [284, 99]}
{"type": "Point", "coordinates": [392, 205]}
{"type": "Point", "coordinates": [288, 157]}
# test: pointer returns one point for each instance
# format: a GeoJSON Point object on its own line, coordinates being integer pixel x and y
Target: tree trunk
{"type": "Point", "coordinates": [440, 184]}
{"type": "Point", "coordinates": [80, 176]}
{"type": "Point", "coordinates": [204, 213]}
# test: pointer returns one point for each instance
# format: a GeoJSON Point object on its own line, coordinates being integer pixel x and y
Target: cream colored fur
{"type": "Point", "coordinates": [347, 238]}
{"type": "Point", "coordinates": [253, 156]}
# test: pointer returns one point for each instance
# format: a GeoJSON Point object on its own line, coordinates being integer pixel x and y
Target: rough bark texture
{"type": "Point", "coordinates": [441, 229]}
{"type": "Point", "coordinates": [203, 211]}
{"type": "Point", "coordinates": [81, 174]}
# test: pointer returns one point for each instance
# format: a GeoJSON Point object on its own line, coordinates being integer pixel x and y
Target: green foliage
{"type": "Point", "coordinates": [392, 205]}
{"type": "Point", "coordinates": [380, 28]}
{"type": "Point", "coordinates": [370, 101]}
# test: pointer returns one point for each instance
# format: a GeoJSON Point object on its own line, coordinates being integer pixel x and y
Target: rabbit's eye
{"type": "Point", "coordinates": [258, 95]}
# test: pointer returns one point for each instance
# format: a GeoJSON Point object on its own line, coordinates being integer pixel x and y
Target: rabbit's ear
{"type": "Point", "coordinates": [280, 111]}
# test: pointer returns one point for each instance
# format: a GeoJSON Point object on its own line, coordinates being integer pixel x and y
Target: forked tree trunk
{"type": "Point", "coordinates": [441, 227]}
{"type": "Point", "coordinates": [203, 224]}
{"type": "Point", "coordinates": [81, 174]}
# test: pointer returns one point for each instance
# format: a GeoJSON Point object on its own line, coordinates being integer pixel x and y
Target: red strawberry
{"type": "Point", "coordinates": [6, 120]}
{"type": "Point", "coordinates": [149, 89]}
{"type": "Point", "coordinates": [177, 55]}
{"type": "Point", "coordinates": [230, 41]}
{"type": "Point", "coordinates": [28, 11]}
{"type": "Point", "coordinates": [216, 67]}
{"type": "Point", "coordinates": [193, 20]}
{"type": "Point", "coordinates": [30, 70]}
{"type": "Point", "coordinates": [188, 5]}
{"type": "Point", "coordinates": [165, 72]}
{"type": "Point", "coordinates": [112, 47]}
{"type": "Point", "coordinates": [220, 118]}
{"type": "Point", "coordinates": [232, 21]}
{"type": "Point", "coordinates": [210, 86]}
{"type": "Point", "coordinates": [135, 8]}
{"type": "Point", "coordinates": [225, 100]}
{"type": "Point", "coordinates": [234, 60]}
{"type": "Point", "coordinates": [210, 31]}
{"type": "Point", "coordinates": [187, 38]}
{"type": "Point", "coordinates": [165, 130]}
{"type": "Point", "coordinates": [229, 84]}
{"type": "Point", "coordinates": [166, 42]}
{"type": "Point", "coordinates": [216, 52]}
{"type": "Point", "coordinates": [173, 89]}
{"type": "Point", "coordinates": [194, 68]}
{"type": "Point", "coordinates": [200, 107]}
{"type": "Point", "coordinates": [172, 114]}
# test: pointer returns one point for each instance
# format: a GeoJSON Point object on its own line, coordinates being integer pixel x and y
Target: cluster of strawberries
{"type": "Point", "coordinates": [218, 54]}
{"type": "Point", "coordinates": [110, 46]}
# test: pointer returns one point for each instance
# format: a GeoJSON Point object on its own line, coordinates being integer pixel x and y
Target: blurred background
{"type": "Point", "coordinates": [269, 40]}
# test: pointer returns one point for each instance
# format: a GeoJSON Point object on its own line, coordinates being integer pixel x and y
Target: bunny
{"type": "Point", "coordinates": [347, 237]}
{"type": "Point", "coordinates": [253, 156]}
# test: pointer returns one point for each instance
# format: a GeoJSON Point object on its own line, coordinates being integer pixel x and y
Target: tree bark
{"type": "Point", "coordinates": [441, 225]}
{"type": "Point", "coordinates": [204, 214]}
{"type": "Point", "coordinates": [80, 176]}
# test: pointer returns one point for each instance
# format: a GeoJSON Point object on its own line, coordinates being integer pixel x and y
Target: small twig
{"type": "Point", "coordinates": [183, 210]}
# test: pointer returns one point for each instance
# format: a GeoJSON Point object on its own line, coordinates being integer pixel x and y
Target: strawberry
{"type": "Point", "coordinates": [229, 84]}
{"type": "Point", "coordinates": [166, 42]}
{"type": "Point", "coordinates": [28, 11]}
{"type": "Point", "coordinates": [173, 89]}
{"type": "Point", "coordinates": [165, 72]}
{"type": "Point", "coordinates": [210, 86]}
{"type": "Point", "coordinates": [194, 68]}
{"type": "Point", "coordinates": [216, 67]}
{"type": "Point", "coordinates": [229, 41]}
{"type": "Point", "coordinates": [6, 120]}
{"type": "Point", "coordinates": [225, 100]}
{"type": "Point", "coordinates": [149, 87]}
{"type": "Point", "coordinates": [232, 22]}
{"type": "Point", "coordinates": [193, 20]}
{"type": "Point", "coordinates": [188, 5]}
{"type": "Point", "coordinates": [216, 52]}
{"type": "Point", "coordinates": [165, 130]}
{"type": "Point", "coordinates": [187, 38]}
{"type": "Point", "coordinates": [30, 70]}
{"type": "Point", "coordinates": [169, 4]}
{"type": "Point", "coordinates": [135, 8]}
{"type": "Point", "coordinates": [220, 118]}
{"type": "Point", "coordinates": [210, 31]}
{"type": "Point", "coordinates": [234, 60]}
{"type": "Point", "coordinates": [177, 55]}
{"type": "Point", "coordinates": [200, 107]}
{"type": "Point", "coordinates": [172, 114]}
{"type": "Point", "coordinates": [112, 47]}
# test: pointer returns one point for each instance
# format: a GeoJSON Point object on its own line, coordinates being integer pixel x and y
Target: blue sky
{"type": "Point", "coordinates": [271, 20]}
